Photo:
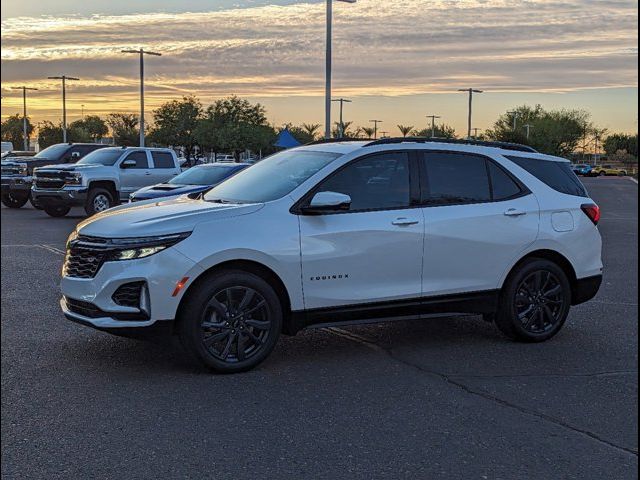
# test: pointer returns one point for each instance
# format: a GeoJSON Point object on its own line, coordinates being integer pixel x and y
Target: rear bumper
{"type": "Point", "coordinates": [584, 289]}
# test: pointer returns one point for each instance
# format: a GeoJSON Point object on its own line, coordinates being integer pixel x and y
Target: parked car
{"type": "Point", "coordinates": [339, 233]}
{"type": "Point", "coordinates": [102, 179]}
{"type": "Point", "coordinates": [17, 170]}
{"type": "Point", "coordinates": [582, 169]}
{"type": "Point", "coordinates": [602, 170]}
{"type": "Point", "coordinates": [5, 147]}
{"type": "Point", "coordinates": [195, 180]}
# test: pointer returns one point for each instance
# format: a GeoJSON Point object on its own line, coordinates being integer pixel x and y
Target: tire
{"type": "Point", "coordinates": [214, 331]}
{"type": "Point", "coordinates": [603, 173]}
{"type": "Point", "coordinates": [56, 210]}
{"type": "Point", "coordinates": [622, 174]}
{"type": "Point", "coordinates": [526, 316]}
{"type": "Point", "coordinates": [98, 200]}
{"type": "Point", "coordinates": [34, 204]}
{"type": "Point", "coordinates": [14, 201]}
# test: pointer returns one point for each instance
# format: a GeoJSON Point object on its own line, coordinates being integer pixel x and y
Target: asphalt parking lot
{"type": "Point", "coordinates": [443, 398]}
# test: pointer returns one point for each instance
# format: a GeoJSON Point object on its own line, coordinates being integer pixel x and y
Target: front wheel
{"type": "Point", "coordinates": [99, 200]}
{"type": "Point", "coordinates": [56, 211]}
{"type": "Point", "coordinates": [14, 201]}
{"type": "Point", "coordinates": [231, 321]}
{"type": "Point", "coordinates": [535, 301]}
{"type": "Point", "coordinates": [602, 173]}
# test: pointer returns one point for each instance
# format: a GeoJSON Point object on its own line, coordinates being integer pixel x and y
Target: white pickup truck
{"type": "Point", "coordinates": [102, 179]}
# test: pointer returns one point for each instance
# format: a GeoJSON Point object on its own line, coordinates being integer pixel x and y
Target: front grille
{"type": "Point", "coordinates": [11, 170]}
{"type": "Point", "coordinates": [85, 257]}
{"type": "Point", "coordinates": [50, 180]}
{"type": "Point", "coordinates": [85, 309]}
{"type": "Point", "coordinates": [128, 295]}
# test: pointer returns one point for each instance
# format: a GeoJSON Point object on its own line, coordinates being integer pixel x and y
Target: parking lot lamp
{"type": "Point", "coordinates": [433, 124]}
{"type": "Point", "coordinates": [142, 53]}
{"type": "Point", "coordinates": [328, 59]}
{"type": "Point", "coordinates": [375, 128]}
{"type": "Point", "coordinates": [64, 79]}
{"type": "Point", "coordinates": [25, 133]}
{"type": "Point", "coordinates": [342, 102]}
{"type": "Point", "coordinates": [471, 91]}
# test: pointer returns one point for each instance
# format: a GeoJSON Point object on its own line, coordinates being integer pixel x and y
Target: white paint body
{"type": "Point", "coordinates": [381, 255]}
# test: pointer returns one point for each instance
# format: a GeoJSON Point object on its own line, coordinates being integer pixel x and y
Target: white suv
{"type": "Point", "coordinates": [346, 232]}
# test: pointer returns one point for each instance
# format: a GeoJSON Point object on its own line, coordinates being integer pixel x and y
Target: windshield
{"type": "Point", "coordinates": [272, 178]}
{"type": "Point", "coordinates": [104, 156]}
{"type": "Point", "coordinates": [54, 151]}
{"type": "Point", "coordinates": [204, 175]}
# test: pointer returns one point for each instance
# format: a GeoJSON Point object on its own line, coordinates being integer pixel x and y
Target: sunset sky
{"type": "Point", "coordinates": [398, 60]}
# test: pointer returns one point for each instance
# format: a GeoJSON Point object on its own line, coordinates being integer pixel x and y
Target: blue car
{"type": "Point", "coordinates": [195, 180]}
{"type": "Point", "coordinates": [582, 169]}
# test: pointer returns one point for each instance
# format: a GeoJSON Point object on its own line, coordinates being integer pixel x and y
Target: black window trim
{"type": "Point", "coordinates": [128, 154]}
{"type": "Point", "coordinates": [414, 186]}
{"type": "Point", "coordinates": [164, 152]}
{"type": "Point", "coordinates": [524, 190]}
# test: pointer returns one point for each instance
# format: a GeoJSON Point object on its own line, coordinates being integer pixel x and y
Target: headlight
{"type": "Point", "coordinates": [75, 178]}
{"type": "Point", "coordinates": [134, 248]}
{"type": "Point", "coordinates": [23, 169]}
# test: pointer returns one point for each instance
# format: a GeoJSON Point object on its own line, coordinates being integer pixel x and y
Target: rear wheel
{"type": "Point", "coordinates": [602, 173]}
{"type": "Point", "coordinates": [231, 322]}
{"type": "Point", "coordinates": [34, 204]}
{"type": "Point", "coordinates": [56, 210]}
{"type": "Point", "coordinates": [12, 200]}
{"type": "Point", "coordinates": [535, 302]}
{"type": "Point", "coordinates": [99, 200]}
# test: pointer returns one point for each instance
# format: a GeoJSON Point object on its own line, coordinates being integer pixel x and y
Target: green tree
{"type": "Point", "coordinates": [368, 132]}
{"type": "Point", "coordinates": [555, 132]}
{"type": "Point", "coordinates": [346, 132]}
{"type": "Point", "coordinates": [124, 127]}
{"type": "Point", "coordinates": [311, 130]}
{"type": "Point", "coordinates": [91, 128]}
{"type": "Point", "coordinates": [49, 134]}
{"type": "Point", "coordinates": [405, 130]}
{"type": "Point", "coordinates": [621, 142]}
{"type": "Point", "coordinates": [233, 125]}
{"type": "Point", "coordinates": [175, 124]}
{"type": "Point", "coordinates": [12, 130]}
{"type": "Point", "coordinates": [441, 131]}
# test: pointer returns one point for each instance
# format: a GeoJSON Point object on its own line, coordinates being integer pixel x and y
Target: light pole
{"type": "Point", "coordinates": [433, 124]}
{"type": "Point", "coordinates": [329, 59]}
{"type": "Point", "coordinates": [384, 134]}
{"type": "Point", "coordinates": [527, 127]}
{"type": "Point", "coordinates": [64, 79]}
{"type": "Point", "coordinates": [142, 53]}
{"type": "Point", "coordinates": [515, 119]}
{"type": "Point", "coordinates": [375, 128]}
{"type": "Point", "coordinates": [82, 111]}
{"type": "Point", "coordinates": [342, 102]}
{"type": "Point", "coordinates": [471, 91]}
{"type": "Point", "coordinates": [25, 134]}
{"type": "Point", "coordinates": [475, 132]}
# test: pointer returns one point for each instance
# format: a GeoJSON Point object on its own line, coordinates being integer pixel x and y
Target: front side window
{"type": "Point", "coordinates": [272, 178]}
{"type": "Point", "coordinates": [452, 178]}
{"type": "Point", "coordinates": [376, 182]}
{"type": "Point", "coordinates": [162, 160]}
{"type": "Point", "coordinates": [557, 175]}
{"type": "Point", "coordinates": [140, 158]}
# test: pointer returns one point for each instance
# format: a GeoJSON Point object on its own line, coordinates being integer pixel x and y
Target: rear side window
{"type": "Point", "coordinates": [557, 175]}
{"type": "Point", "coordinates": [502, 185]}
{"type": "Point", "coordinates": [162, 160]}
{"type": "Point", "coordinates": [453, 178]}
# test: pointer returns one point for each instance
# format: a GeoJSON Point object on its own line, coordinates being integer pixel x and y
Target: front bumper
{"type": "Point", "coordinates": [72, 196]}
{"type": "Point", "coordinates": [16, 185]}
{"type": "Point", "coordinates": [160, 272]}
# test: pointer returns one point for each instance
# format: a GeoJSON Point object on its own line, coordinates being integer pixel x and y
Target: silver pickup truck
{"type": "Point", "coordinates": [102, 179]}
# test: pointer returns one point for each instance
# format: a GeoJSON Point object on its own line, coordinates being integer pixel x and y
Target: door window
{"type": "Point", "coordinates": [454, 178]}
{"type": "Point", "coordinates": [377, 182]}
{"type": "Point", "coordinates": [140, 158]}
{"type": "Point", "coordinates": [162, 160]}
{"type": "Point", "coordinates": [502, 185]}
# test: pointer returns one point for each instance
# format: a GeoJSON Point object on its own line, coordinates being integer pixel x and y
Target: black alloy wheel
{"type": "Point", "coordinates": [12, 200]}
{"type": "Point", "coordinates": [539, 302]}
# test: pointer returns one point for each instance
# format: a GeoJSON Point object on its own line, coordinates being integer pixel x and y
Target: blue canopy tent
{"type": "Point", "coordinates": [286, 140]}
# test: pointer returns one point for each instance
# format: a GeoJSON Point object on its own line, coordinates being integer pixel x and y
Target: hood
{"type": "Point", "coordinates": [73, 167]}
{"type": "Point", "coordinates": [151, 218]}
{"type": "Point", "coordinates": [168, 190]}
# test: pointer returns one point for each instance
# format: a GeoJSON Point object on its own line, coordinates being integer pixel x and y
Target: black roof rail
{"type": "Point", "coordinates": [456, 141]}
{"type": "Point", "coordinates": [336, 140]}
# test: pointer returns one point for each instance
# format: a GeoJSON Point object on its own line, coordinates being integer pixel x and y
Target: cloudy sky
{"type": "Point", "coordinates": [398, 60]}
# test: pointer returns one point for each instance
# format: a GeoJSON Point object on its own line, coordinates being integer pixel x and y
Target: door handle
{"type": "Point", "coordinates": [404, 222]}
{"type": "Point", "coordinates": [514, 212]}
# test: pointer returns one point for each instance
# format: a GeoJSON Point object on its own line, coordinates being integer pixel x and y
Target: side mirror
{"type": "Point", "coordinates": [75, 155]}
{"type": "Point", "coordinates": [327, 202]}
{"type": "Point", "coordinates": [128, 164]}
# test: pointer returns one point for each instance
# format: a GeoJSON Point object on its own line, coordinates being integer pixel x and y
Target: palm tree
{"type": "Point", "coordinates": [368, 131]}
{"type": "Point", "coordinates": [311, 129]}
{"type": "Point", "coordinates": [345, 130]}
{"type": "Point", "coordinates": [405, 130]}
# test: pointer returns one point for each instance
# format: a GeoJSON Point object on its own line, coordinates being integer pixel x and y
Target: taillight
{"type": "Point", "coordinates": [592, 211]}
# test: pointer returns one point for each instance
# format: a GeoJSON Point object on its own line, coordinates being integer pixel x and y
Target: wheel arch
{"type": "Point", "coordinates": [256, 268]}
{"type": "Point", "coordinates": [109, 185]}
{"type": "Point", "coordinates": [553, 256]}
